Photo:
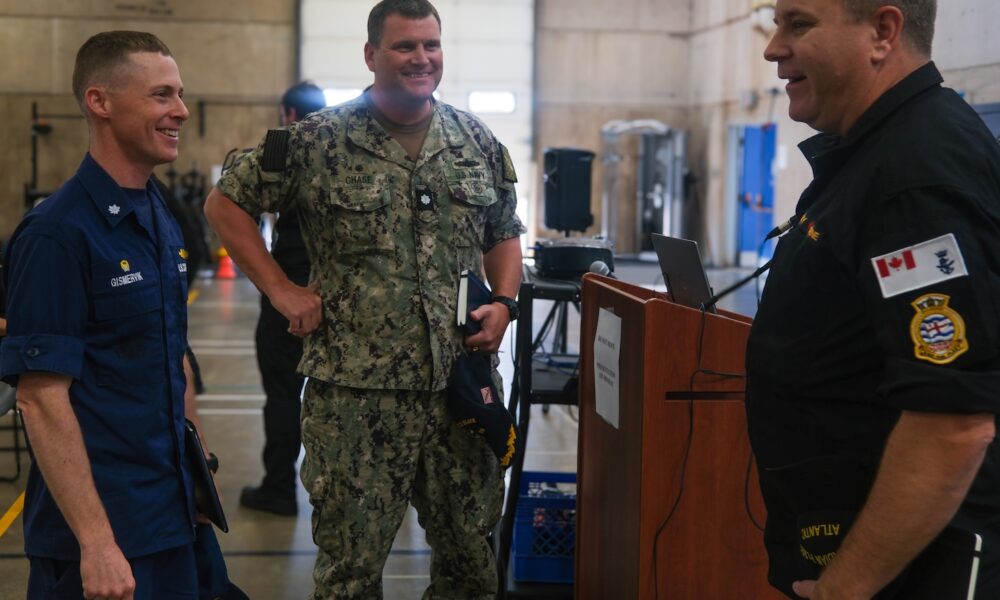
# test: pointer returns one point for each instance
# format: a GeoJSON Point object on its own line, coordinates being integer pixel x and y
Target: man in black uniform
{"type": "Point", "coordinates": [874, 361]}
{"type": "Point", "coordinates": [279, 352]}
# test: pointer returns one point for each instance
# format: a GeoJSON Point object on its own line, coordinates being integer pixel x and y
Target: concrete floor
{"type": "Point", "coordinates": [271, 557]}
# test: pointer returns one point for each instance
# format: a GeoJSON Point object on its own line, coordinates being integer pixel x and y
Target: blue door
{"type": "Point", "coordinates": [756, 196]}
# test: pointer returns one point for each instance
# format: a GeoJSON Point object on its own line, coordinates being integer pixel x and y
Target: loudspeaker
{"type": "Point", "coordinates": [567, 189]}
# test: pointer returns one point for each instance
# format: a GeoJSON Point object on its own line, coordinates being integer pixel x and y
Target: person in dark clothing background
{"type": "Point", "coordinates": [278, 351]}
{"type": "Point", "coordinates": [873, 362]}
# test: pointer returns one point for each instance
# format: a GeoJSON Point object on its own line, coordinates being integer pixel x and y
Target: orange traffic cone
{"type": "Point", "coordinates": [226, 269]}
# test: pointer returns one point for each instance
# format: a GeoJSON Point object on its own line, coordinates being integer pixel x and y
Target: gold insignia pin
{"type": "Point", "coordinates": [183, 253]}
{"type": "Point", "coordinates": [125, 266]}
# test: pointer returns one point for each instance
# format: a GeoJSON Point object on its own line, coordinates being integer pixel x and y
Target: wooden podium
{"type": "Point", "coordinates": [676, 471]}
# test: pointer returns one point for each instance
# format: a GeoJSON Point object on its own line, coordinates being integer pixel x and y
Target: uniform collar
{"type": "Point", "coordinates": [108, 198]}
{"type": "Point", "coordinates": [364, 131]}
{"type": "Point", "coordinates": [827, 150]}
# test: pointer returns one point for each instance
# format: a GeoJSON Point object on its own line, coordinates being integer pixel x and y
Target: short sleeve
{"type": "Point", "coordinates": [502, 222]}
{"type": "Point", "coordinates": [264, 179]}
{"type": "Point", "coordinates": [929, 275]}
{"type": "Point", "coordinates": [47, 306]}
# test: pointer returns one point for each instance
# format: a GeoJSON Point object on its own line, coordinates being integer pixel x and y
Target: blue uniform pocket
{"type": "Point", "coordinates": [131, 347]}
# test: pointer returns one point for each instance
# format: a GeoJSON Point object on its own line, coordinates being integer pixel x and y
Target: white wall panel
{"type": "Point", "coordinates": [966, 34]}
{"type": "Point", "coordinates": [333, 62]}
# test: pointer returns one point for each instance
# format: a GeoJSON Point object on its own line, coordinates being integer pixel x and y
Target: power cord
{"type": "Point", "coordinates": [687, 448]}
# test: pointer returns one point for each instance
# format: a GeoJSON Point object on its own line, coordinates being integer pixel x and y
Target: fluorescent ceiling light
{"type": "Point", "coordinates": [335, 96]}
{"type": "Point", "coordinates": [492, 102]}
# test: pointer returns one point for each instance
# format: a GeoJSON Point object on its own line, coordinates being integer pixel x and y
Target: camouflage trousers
{"type": "Point", "coordinates": [368, 455]}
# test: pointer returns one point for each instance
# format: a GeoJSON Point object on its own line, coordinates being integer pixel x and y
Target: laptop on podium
{"type": "Point", "coordinates": [683, 272]}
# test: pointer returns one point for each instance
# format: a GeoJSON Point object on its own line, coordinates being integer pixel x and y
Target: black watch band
{"type": "Point", "coordinates": [511, 305]}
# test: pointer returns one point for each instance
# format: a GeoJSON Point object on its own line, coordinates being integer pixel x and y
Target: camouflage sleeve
{"type": "Point", "coordinates": [502, 222]}
{"type": "Point", "coordinates": [263, 180]}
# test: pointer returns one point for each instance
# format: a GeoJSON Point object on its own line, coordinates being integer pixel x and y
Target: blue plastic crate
{"type": "Point", "coordinates": [545, 528]}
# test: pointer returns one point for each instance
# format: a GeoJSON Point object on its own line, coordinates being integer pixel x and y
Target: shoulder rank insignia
{"type": "Point", "coordinates": [508, 166]}
{"type": "Point", "coordinates": [275, 151]}
{"type": "Point", "coordinates": [938, 332]}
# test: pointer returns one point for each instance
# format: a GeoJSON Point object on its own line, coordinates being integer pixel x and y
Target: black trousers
{"type": "Point", "coordinates": [278, 355]}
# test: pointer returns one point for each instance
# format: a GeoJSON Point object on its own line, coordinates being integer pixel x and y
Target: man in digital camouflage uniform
{"type": "Point", "coordinates": [397, 193]}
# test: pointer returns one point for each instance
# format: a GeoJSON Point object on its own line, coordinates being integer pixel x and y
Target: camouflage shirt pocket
{"type": "Point", "coordinates": [472, 197]}
{"type": "Point", "coordinates": [361, 219]}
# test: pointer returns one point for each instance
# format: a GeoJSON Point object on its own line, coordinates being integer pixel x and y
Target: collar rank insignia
{"type": "Point", "coordinates": [938, 332]}
{"type": "Point", "coordinates": [125, 266]}
{"type": "Point", "coordinates": [425, 199]}
{"type": "Point", "coordinates": [183, 253]}
{"type": "Point", "coordinates": [114, 209]}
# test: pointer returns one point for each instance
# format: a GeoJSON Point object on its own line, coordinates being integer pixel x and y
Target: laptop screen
{"type": "Point", "coordinates": [683, 273]}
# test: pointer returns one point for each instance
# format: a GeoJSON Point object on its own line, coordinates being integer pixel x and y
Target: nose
{"type": "Point", "coordinates": [419, 56]}
{"type": "Point", "coordinates": [776, 49]}
{"type": "Point", "coordinates": [181, 111]}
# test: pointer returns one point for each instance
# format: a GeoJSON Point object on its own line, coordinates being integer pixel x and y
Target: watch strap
{"type": "Point", "coordinates": [511, 304]}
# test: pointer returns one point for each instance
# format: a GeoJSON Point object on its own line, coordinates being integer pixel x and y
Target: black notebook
{"type": "Point", "coordinates": [206, 497]}
{"type": "Point", "coordinates": [472, 293]}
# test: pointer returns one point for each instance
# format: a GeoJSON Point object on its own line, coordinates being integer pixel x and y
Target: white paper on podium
{"type": "Point", "coordinates": [607, 345]}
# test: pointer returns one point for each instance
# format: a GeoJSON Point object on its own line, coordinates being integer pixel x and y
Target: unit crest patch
{"type": "Point", "coordinates": [938, 332]}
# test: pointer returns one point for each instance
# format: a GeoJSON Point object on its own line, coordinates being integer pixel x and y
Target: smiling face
{"type": "Point", "coordinates": [145, 111]}
{"type": "Point", "coordinates": [826, 57]}
{"type": "Point", "coordinates": [407, 63]}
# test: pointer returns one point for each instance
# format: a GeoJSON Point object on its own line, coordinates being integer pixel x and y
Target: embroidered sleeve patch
{"type": "Point", "coordinates": [508, 166]}
{"type": "Point", "coordinates": [918, 266]}
{"type": "Point", "coordinates": [938, 332]}
{"type": "Point", "coordinates": [275, 151]}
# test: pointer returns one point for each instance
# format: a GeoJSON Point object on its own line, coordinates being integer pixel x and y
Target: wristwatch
{"type": "Point", "coordinates": [511, 305]}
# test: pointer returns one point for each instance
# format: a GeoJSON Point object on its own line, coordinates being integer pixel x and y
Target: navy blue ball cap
{"type": "Point", "coordinates": [476, 406]}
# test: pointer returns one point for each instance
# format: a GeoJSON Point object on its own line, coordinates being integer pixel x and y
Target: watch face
{"type": "Point", "coordinates": [512, 307]}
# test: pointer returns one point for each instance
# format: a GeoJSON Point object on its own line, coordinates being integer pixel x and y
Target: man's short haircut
{"type": "Point", "coordinates": [411, 9]}
{"type": "Point", "coordinates": [305, 97]}
{"type": "Point", "coordinates": [104, 55]}
{"type": "Point", "coordinates": [920, 14]}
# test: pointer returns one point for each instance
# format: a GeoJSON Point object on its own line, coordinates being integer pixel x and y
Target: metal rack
{"type": "Point", "coordinates": [536, 383]}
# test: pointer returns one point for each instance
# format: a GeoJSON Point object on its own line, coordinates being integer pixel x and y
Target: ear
{"type": "Point", "coordinates": [97, 101]}
{"type": "Point", "coordinates": [370, 56]}
{"type": "Point", "coordinates": [292, 115]}
{"type": "Point", "coordinates": [887, 22]}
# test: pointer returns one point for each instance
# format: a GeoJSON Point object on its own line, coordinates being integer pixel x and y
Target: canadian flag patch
{"type": "Point", "coordinates": [918, 266]}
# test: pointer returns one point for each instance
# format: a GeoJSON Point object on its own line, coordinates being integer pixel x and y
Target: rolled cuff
{"type": "Point", "coordinates": [40, 352]}
{"type": "Point", "coordinates": [910, 385]}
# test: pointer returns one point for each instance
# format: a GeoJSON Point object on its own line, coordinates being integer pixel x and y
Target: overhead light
{"type": "Point", "coordinates": [335, 96]}
{"type": "Point", "coordinates": [762, 16]}
{"type": "Point", "coordinates": [492, 102]}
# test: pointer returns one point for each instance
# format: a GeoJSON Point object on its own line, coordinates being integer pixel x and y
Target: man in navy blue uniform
{"type": "Point", "coordinates": [874, 360]}
{"type": "Point", "coordinates": [96, 339]}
